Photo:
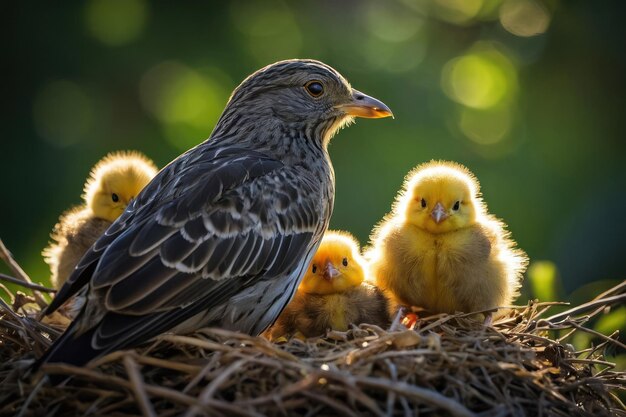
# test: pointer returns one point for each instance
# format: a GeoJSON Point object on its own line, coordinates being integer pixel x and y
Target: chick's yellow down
{"type": "Point", "coordinates": [440, 249]}
{"type": "Point", "coordinates": [333, 293]}
{"type": "Point", "coordinates": [113, 182]}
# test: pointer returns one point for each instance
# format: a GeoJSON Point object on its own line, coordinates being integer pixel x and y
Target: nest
{"type": "Point", "coordinates": [446, 365]}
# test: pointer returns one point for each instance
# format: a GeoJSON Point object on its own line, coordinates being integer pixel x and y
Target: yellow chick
{"type": "Point", "coordinates": [113, 182]}
{"type": "Point", "coordinates": [333, 293]}
{"type": "Point", "coordinates": [441, 250]}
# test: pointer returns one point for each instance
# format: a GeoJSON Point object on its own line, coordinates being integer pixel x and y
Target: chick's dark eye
{"type": "Point", "coordinates": [314, 88]}
{"type": "Point", "coordinates": [456, 206]}
{"type": "Point", "coordinates": [115, 198]}
{"type": "Point", "coordinates": [423, 203]}
{"type": "Point", "coordinates": [314, 269]}
{"type": "Point", "coordinates": [344, 262]}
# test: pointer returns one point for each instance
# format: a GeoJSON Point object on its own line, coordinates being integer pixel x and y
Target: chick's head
{"type": "Point", "coordinates": [336, 267]}
{"type": "Point", "coordinates": [114, 181]}
{"type": "Point", "coordinates": [441, 197]}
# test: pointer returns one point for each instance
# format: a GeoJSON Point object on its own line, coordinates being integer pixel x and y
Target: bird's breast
{"type": "Point", "coordinates": [430, 274]}
{"type": "Point", "coordinates": [336, 310]}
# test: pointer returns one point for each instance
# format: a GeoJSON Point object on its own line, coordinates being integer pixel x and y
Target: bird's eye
{"type": "Point", "coordinates": [314, 269]}
{"type": "Point", "coordinates": [115, 198]}
{"type": "Point", "coordinates": [344, 262]}
{"type": "Point", "coordinates": [456, 206]}
{"type": "Point", "coordinates": [314, 88]}
{"type": "Point", "coordinates": [423, 203]}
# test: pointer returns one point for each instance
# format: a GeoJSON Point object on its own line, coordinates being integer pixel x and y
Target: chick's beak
{"type": "Point", "coordinates": [330, 271]}
{"type": "Point", "coordinates": [362, 105]}
{"type": "Point", "coordinates": [439, 213]}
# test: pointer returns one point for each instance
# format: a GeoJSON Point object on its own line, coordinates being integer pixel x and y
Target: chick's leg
{"type": "Point", "coordinates": [488, 320]}
{"type": "Point", "coordinates": [410, 320]}
{"type": "Point", "coordinates": [407, 316]}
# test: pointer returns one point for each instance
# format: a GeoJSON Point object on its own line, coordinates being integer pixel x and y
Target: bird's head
{"type": "Point", "coordinates": [114, 181]}
{"type": "Point", "coordinates": [336, 267]}
{"type": "Point", "coordinates": [440, 197]}
{"type": "Point", "coordinates": [302, 96]}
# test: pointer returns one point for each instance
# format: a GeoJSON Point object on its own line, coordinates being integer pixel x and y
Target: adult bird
{"type": "Point", "coordinates": [223, 234]}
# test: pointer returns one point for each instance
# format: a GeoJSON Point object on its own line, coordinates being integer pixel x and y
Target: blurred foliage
{"type": "Point", "coordinates": [544, 282]}
{"type": "Point", "coordinates": [529, 94]}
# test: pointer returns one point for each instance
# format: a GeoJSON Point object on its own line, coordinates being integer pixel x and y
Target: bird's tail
{"type": "Point", "coordinates": [70, 348]}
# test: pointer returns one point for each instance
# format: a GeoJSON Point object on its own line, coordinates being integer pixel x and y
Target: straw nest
{"type": "Point", "coordinates": [446, 365]}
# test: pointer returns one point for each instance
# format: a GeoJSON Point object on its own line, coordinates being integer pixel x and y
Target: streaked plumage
{"type": "Point", "coordinates": [333, 293]}
{"type": "Point", "coordinates": [440, 249]}
{"type": "Point", "coordinates": [223, 234]}
{"type": "Point", "coordinates": [113, 182]}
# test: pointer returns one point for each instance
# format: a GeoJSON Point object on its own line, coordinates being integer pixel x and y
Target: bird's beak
{"type": "Point", "coordinates": [362, 105]}
{"type": "Point", "coordinates": [330, 272]}
{"type": "Point", "coordinates": [439, 213]}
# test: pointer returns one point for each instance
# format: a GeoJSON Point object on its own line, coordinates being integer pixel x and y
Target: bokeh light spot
{"type": "Point", "coordinates": [402, 58]}
{"type": "Point", "coordinates": [486, 127]}
{"type": "Point", "coordinates": [457, 11]}
{"type": "Point", "coordinates": [392, 24]}
{"type": "Point", "coordinates": [271, 29]}
{"type": "Point", "coordinates": [116, 22]}
{"type": "Point", "coordinates": [63, 113]}
{"type": "Point", "coordinates": [480, 79]}
{"type": "Point", "coordinates": [543, 277]}
{"type": "Point", "coordinates": [524, 17]}
{"type": "Point", "coordinates": [489, 10]}
{"type": "Point", "coordinates": [186, 101]}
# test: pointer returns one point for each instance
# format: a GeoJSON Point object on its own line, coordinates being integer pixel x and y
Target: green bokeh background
{"type": "Point", "coordinates": [528, 94]}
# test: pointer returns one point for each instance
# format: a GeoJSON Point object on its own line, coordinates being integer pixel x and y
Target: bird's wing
{"type": "Point", "coordinates": [197, 235]}
{"type": "Point", "coordinates": [183, 177]}
{"type": "Point", "coordinates": [260, 227]}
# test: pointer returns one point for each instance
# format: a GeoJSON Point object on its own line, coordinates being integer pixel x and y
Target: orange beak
{"type": "Point", "coordinates": [330, 272]}
{"type": "Point", "coordinates": [363, 105]}
{"type": "Point", "coordinates": [439, 213]}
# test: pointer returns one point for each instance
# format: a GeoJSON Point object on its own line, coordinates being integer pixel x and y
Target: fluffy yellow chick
{"type": "Point", "coordinates": [333, 293]}
{"type": "Point", "coordinates": [113, 182]}
{"type": "Point", "coordinates": [441, 250]}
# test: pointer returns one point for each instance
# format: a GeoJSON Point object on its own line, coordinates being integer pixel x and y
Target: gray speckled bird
{"type": "Point", "coordinates": [223, 234]}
